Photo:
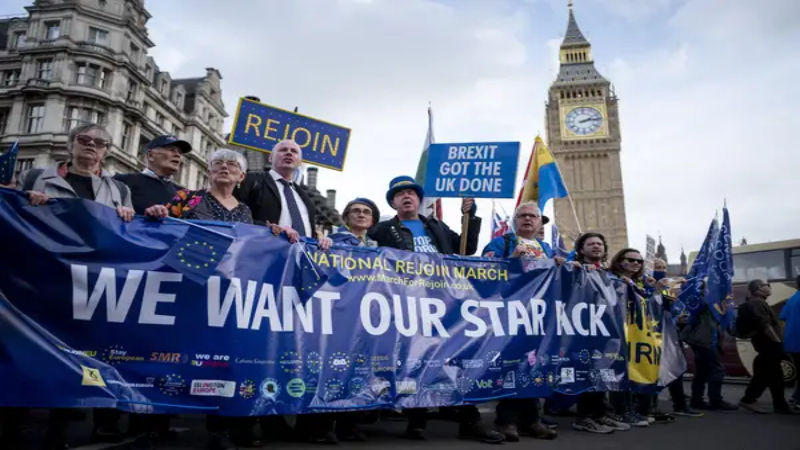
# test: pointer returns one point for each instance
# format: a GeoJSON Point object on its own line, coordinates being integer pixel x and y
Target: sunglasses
{"type": "Point", "coordinates": [86, 140]}
{"type": "Point", "coordinates": [634, 260]}
{"type": "Point", "coordinates": [528, 216]}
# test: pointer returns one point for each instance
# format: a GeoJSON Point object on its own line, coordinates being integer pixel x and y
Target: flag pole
{"type": "Point", "coordinates": [569, 194]}
{"type": "Point", "coordinates": [464, 232]}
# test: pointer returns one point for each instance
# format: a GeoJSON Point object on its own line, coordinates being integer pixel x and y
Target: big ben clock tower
{"type": "Point", "coordinates": [583, 132]}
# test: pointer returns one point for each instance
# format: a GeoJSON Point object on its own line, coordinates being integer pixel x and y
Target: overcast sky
{"type": "Point", "coordinates": [708, 90]}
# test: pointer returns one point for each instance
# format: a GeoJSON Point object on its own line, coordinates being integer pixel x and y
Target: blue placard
{"type": "Point", "coordinates": [478, 169]}
{"type": "Point", "coordinates": [257, 126]}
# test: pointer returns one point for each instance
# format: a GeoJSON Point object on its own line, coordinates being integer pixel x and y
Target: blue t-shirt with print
{"type": "Point", "coordinates": [791, 315]}
{"type": "Point", "coordinates": [422, 242]}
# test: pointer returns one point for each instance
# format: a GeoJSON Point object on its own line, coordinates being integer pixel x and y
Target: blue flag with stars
{"type": "Point", "coordinates": [8, 161]}
{"type": "Point", "coordinates": [719, 289]}
{"type": "Point", "coordinates": [691, 297]}
{"type": "Point", "coordinates": [198, 253]}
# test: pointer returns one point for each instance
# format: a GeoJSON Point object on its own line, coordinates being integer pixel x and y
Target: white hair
{"type": "Point", "coordinates": [529, 204]}
{"type": "Point", "coordinates": [225, 154]}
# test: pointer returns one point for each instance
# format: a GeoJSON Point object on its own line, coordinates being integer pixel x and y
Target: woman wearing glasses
{"type": "Point", "coordinates": [628, 265]}
{"type": "Point", "coordinates": [82, 176]}
{"type": "Point", "coordinates": [226, 169]}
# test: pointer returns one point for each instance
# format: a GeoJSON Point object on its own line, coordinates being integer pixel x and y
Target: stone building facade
{"type": "Point", "coordinates": [584, 135]}
{"type": "Point", "coordinates": [69, 62]}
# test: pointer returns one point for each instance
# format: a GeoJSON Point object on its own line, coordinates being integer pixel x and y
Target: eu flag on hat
{"type": "Point", "coordinates": [8, 161]}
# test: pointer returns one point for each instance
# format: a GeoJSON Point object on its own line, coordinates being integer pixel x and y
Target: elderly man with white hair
{"type": "Point", "coordinates": [277, 200]}
{"type": "Point", "coordinates": [524, 241]}
{"type": "Point", "coordinates": [521, 417]}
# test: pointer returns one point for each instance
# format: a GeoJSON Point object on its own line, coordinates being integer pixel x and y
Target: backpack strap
{"type": "Point", "coordinates": [507, 245]}
{"type": "Point", "coordinates": [30, 179]}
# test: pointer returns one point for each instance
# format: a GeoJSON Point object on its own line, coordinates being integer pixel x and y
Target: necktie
{"type": "Point", "coordinates": [294, 211]}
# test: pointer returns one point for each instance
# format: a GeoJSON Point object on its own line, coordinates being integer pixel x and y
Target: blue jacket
{"type": "Point", "coordinates": [504, 246]}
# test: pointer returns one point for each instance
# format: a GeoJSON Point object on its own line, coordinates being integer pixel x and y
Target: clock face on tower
{"type": "Point", "coordinates": [584, 120]}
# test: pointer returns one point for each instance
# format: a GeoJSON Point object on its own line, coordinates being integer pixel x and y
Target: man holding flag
{"type": "Point", "coordinates": [703, 332]}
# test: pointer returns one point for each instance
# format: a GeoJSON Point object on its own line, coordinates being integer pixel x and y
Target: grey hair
{"type": "Point", "coordinates": [528, 204]}
{"type": "Point", "coordinates": [225, 154]}
{"type": "Point", "coordinates": [73, 133]}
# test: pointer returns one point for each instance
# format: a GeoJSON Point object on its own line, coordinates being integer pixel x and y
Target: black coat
{"type": "Point", "coordinates": [392, 233]}
{"type": "Point", "coordinates": [260, 193]}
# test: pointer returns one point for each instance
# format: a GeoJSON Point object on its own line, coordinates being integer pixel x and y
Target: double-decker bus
{"type": "Point", "coordinates": [779, 264]}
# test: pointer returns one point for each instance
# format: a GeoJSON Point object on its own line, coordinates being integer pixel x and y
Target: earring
{"type": "Point", "coordinates": [238, 185]}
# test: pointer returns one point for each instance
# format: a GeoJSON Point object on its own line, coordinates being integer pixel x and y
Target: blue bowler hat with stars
{"type": "Point", "coordinates": [402, 183]}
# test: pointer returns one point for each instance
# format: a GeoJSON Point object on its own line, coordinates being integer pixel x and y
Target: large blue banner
{"type": "Point", "coordinates": [257, 126]}
{"type": "Point", "coordinates": [168, 316]}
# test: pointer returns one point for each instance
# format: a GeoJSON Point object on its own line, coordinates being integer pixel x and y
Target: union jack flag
{"type": "Point", "coordinates": [500, 225]}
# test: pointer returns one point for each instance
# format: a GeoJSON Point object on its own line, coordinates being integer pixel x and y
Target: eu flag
{"type": "Point", "coordinates": [542, 178]}
{"type": "Point", "coordinates": [8, 161]}
{"type": "Point", "coordinates": [719, 289]}
{"type": "Point", "coordinates": [198, 253]}
{"type": "Point", "coordinates": [691, 296]}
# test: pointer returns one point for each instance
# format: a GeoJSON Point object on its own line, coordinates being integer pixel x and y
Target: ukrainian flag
{"type": "Point", "coordinates": [542, 178]}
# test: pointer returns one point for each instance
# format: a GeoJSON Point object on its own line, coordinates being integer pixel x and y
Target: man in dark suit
{"type": "Point", "coordinates": [275, 199]}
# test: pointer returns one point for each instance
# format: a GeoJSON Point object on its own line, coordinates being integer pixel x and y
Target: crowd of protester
{"type": "Point", "coordinates": [270, 198]}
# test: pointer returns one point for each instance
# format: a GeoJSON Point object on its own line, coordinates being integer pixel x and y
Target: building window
{"type": "Point", "coordinates": [179, 100]}
{"type": "Point", "coordinates": [127, 129]}
{"type": "Point", "coordinates": [102, 3]}
{"type": "Point", "coordinates": [164, 87]}
{"type": "Point", "coordinates": [98, 36]}
{"type": "Point", "coordinates": [77, 116]}
{"type": "Point", "coordinates": [11, 77]}
{"type": "Point", "coordinates": [148, 73]}
{"type": "Point", "coordinates": [132, 88]}
{"type": "Point", "coordinates": [35, 118]}
{"type": "Point", "coordinates": [134, 53]}
{"type": "Point", "coordinates": [52, 30]}
{"type": "Point", "coordinates": [44, 69]}
{"type": "Point", "coordinates": [175, 130]}
{"type": "Point", "coordinates": [795, 263]}
{"type": "Point", "coordinates": [4, 112]}
{"type": "Point", "coordinates": [23, 164]}
{"type": "Point", "coordinates": [146, 110]}
{"type": "Point", "coordinates": [92, 75]}
{"type": "Point", "coordinates": [18, 39]}
{"type": "Point", "coordinates": [766, 265]}
{"type": "Point", "coordinates": [160, 119]}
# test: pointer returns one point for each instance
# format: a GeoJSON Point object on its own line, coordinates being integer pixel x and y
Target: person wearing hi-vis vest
{"type": "Point", "coordinates": [517, 417]}
{"type": "Point", "coordinates": [411, 232]}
